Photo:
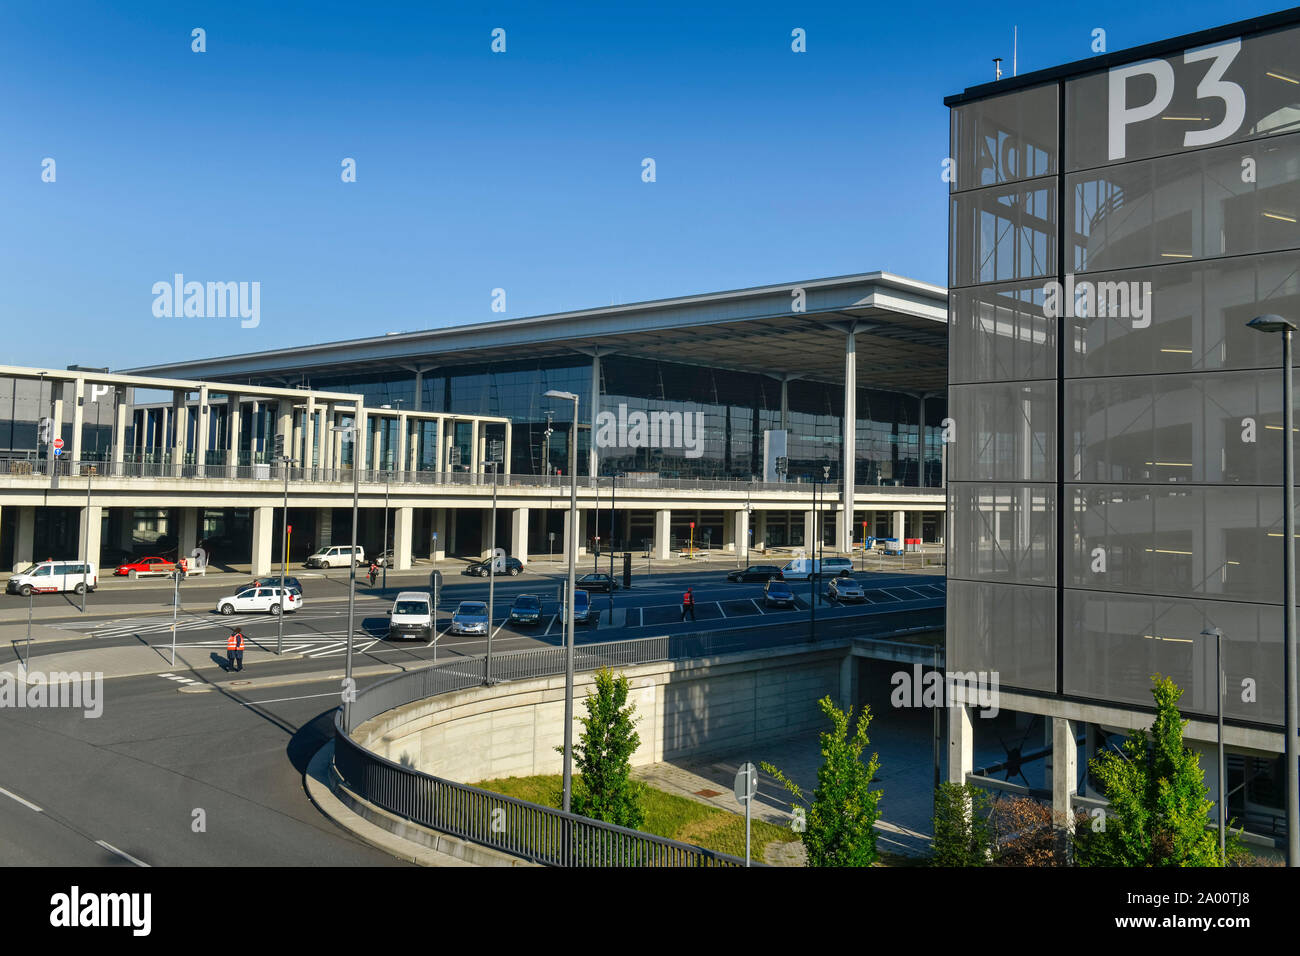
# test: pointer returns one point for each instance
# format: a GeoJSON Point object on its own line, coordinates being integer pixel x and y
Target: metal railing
{"type": "Point", "coordinates": [534, 832]}
{"type": "Point", "coordinates": [187, 468]}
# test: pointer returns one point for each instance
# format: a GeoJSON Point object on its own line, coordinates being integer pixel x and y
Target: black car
{"type": "Point", "coordinates": [778, 594]}
{"type": "Point", "coordinates": [597, 582]}
{"type": "Point", "coordinates": [272, 581]}
{"type": "Point", "coordinates": [757, 572]}
{"type": "Point", "coordinates": [482, 569]}
{"type": "Point", "coordinates": [527, 609]}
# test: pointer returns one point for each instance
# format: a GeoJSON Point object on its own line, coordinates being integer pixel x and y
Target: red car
{"type": "Point", "coordinates": [138, 566]}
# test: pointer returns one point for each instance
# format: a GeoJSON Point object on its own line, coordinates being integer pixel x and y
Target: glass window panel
{"type": "Point", "coordinates": [1003, 233]}
{"type": "Point", "coordinates": [1004, 628]}
{"type": "Point", "coordinates": [1004, 432]}
{"type": "Point", "coordinates": [1000, 334]}
{"type": "Point", "coordinates": [1005, 138]}
{"type": "Point", "coordinates": [1002, 532]}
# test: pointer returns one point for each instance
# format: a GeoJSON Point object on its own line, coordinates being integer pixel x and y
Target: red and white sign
{"type": "Point", "coordinates": [58, 443]}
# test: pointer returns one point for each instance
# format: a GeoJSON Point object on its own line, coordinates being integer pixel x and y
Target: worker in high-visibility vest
{"type": "Point", "coordinates": [688, 604]}
{"type": "Point", "coordinates": [235, 650]}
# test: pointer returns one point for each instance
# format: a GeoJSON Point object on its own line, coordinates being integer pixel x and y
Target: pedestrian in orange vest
{"type": "Point", "coordinates": [688, 604]}
{"type": "Point", "coordinates": [235, 650]}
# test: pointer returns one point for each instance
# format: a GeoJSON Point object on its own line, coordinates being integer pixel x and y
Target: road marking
{"type": "Point", "coordinates": [278, 700]}
{"type": "Point", "coordinates": [126, 856]}
{"type": "Point", "coordinates": [27, 803]}
{"type": "Point", "coordinates": [720, 610]}
{"type": "Point", "coordinates": [754, 601]}
{"type": "Point", "coordinates": [550, 624]}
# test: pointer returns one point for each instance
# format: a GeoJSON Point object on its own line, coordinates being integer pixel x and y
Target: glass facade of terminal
{"type": "Point", "coordinates": [1115, 473]}
{"type": "Point", "coordinates": [736, 409]}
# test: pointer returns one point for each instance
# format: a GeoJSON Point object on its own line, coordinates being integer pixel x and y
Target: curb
{"type": "Point", "coordinates": [285, 680]}
{"type": "Point", "coordinates": [384, 831]}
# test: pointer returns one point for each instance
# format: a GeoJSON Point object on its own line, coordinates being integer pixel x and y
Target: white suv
{"type": "Point", "coordinates": [335, 556]}
{"type": "Point", "coordinates": [260, 599]}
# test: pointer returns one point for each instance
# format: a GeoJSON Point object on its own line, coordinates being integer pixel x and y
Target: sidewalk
{"type": "Point", "coordinates": [138, 660]}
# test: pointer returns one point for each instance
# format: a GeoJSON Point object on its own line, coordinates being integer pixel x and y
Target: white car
{"type": "Point", "coordinates": [265, 600]}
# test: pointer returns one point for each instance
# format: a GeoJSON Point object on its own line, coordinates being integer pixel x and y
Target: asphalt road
{"type": "Point", "coordinates": [124, 789]}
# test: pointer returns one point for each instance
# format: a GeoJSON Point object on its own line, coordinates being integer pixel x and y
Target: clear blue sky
{"type": "Point", "coordinates": [477, 170]}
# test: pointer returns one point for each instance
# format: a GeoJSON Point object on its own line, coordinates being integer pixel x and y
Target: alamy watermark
{"type": "Point", "coordinates": [926, 688]}
{"type": "Point", "coordinates": [681, 430]}
{"type": "Point", "coordinates": [213, 300]}
{"type": "Point", "coordinates": [57, 689]}
{"type": "Point", "coordinates": [1086, 299]}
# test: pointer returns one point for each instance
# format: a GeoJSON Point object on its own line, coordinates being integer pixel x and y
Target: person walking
{"type": "Point", "coordinates": [235, 650]}
{"type": "Point", "coordinates": [688, 604]}
{"type": "Point", "coordinates": [374, 572]}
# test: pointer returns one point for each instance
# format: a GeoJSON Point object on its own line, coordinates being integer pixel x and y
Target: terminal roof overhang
{"type": "Point", "coordinates": [902, 337]}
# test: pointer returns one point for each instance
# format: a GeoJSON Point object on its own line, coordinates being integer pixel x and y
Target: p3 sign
{"type": "Point", "coordinates": [1126, 107]}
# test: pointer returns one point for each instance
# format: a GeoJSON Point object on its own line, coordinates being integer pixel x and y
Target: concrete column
{"type": "Point", "coordinates": [810, 531]}
{"type": "Point", "coordinates": [418, 402]}
{"type": "Point", "coordinates": [376, 442]}
{"type": "Point", "coordinates": [180, 425]}
{"type": "Point", "coordinates": [326, 438]}
{"type": "Point", "coordinates": [729, 539]}
{"type": "Point", "coordinates": [439, 551]}
{"type": "Point", "coordinates": [202, 428]}
{"type": "Point", "coordinates": [451, 530]}
{"type": "Point", "coordinates": [760, 531]}
{"type": "Point", "coordinates": [309, 457]}
{"type": "Point", "coordinates": [438, 456]}
{"type": "Point", "coordinates": [848, 682]}
{"type": "Point", "coordinates": [447, 440]}
{"type": "Point", "coordinates": [844, 521]}
{"type": "Point", "coordinates": [187, 535]}
{"type": "Point", "coordinates": [403, 526]}
{"type": "Point", "coordinates": [284, 425]}
{"type": "Point", "coordinates": [595, 412]}
{"type": "Point", "coordinates": [519, 534]}
{"type": "Point", "coordinates": [663, 533]}
{"type": "Point", "coordinates": [120, 412]}
{"type": "Point", "coordinates": [25, 539]}
{"type": "Point", "coordinates": [263, 532]}
{"type": "Point", "coordinates": [413, 437]}
{"type": "Point", "coordinates": [324, 527]}
{"type": "Point", "coordinates": [568, 532]}
{"type": "Point", "coordinates": [505, 465]}
{"type": "Point", "coordinates": [1065, 772]}
{"type": "Point", "coordinates": [740, 531]}
{"type": "Point", "coordinates": [78, 421]}
{"type": "Point", "coordinates": [785, 402]}
{"type": "Point", "coordinates": [475, 466]}
{"type": "Point", "coordinates": [88, 533]}
{"type": "Point", "coordinates": [961, 743]}
{"type": "Point", "coordinates": [56, 413]}
{"type": "Point", "coordinates": [900, 527]}
{"type": "Point", "coordinates": [401, 460]}
{"type": "Point", "coordinates": [234, 420]}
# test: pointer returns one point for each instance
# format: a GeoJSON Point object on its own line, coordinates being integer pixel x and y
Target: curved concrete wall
{"type": "Point", "coordinates": [686, 708]}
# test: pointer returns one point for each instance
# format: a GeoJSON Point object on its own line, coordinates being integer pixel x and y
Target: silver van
{"type": "Point", "coordinates": [335, 556]}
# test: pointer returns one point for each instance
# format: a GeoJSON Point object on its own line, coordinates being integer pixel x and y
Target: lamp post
{"type": "Point", "coordinates": [613, 482]}
{"type": "Point", "coordinates": [285, 462]}
{"type": "Point", "coordinates": [1217, 634]}
{"type": "Point", "coordinates": [572, 546]}
{"type": "Point", "coordinates": [85, 574]}
{"type": "Point", "coordinates": [388, 480]}
{"type": "Point", "coordinates": [492, 566]}
{"type": "Point", "coordinates": [352, 566]}
{"type": "Point", "coordinates": [1275, 323]}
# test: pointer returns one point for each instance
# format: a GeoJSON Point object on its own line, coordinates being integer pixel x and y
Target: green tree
{"type": "Point", "coordinates": [963, 833]}
{"type": "Point", "coordinates": [603, 756]}
{"type": "Point", "coordinates": [839, 829]}
{"type": "Point", "coordinates": [1159, 802]}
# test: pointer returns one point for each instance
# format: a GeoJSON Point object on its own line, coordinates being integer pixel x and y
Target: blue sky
{"type": "Point", "coordinates": [476, 170]}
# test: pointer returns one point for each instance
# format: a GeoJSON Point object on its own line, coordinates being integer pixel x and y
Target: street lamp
{"type": "Point", "coordinates": [352, 566]}
{"type": "Point", "coordinates": [285, 462]}
{"type": "Point", "coordinates": [1275, 323]}
{"type": "Point", "coordinates": [572, 546]}
{"type": "Point", "coordinates": [1217, 634]}
{"type": "Point", "coordinates": [492, 563]}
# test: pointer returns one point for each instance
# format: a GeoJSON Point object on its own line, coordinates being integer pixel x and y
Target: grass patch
{"type": "Point", "coordinates": [667, 815]}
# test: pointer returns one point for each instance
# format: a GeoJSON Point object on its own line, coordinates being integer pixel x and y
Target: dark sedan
{"type": "Point", "coordinates": [481, 569]}
{"type": "Point", "coordinates": [757, 572]}
{"type": "Point", "coordinates": [527, 609]}
{"type": "Point", "coordinates": [597, 582]}
{"type": "Point", "coordinates": [778, 594]}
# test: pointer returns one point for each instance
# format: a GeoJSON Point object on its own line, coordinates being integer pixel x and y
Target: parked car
{"type": "Point", "coordinates": [837, 566]}
{"type": "Point", "coordinates": [581, 608]}
{"type": "Point", "coordinates": [471, 617]}
{"type": "Point", "coordinates": [142, 567]}
{"type": "Point", "coordinates": [385, 559]}
{"type": "Point", "coordinates": [411, 616]}
{"type": "Point", "coordinates": [513, 567]}
{"type": "Point", "coordinates": [336, 556]}
{"type": "Point", "coordinates": [527, 609]}
{"type": "Point", "coordinates": [265, 600]}
{"type": "Point", "coordinates": [756, 572]}
{"type": "Point", "coordinates": [846, 589]}
{"type": "Point", "coordinates": [778, 593]}
{"type": "Point", "coordinates": [273, 581]}
{"type": "Point", "coordinates": [51, 577]}
{"type": "Point", "coordinates": [597, 582]}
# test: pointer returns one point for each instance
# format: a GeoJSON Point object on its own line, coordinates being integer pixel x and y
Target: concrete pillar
{"type": "Point", "coordinates": [848, 682]}
{"type": "Point", "coordinates": [569, 531]}
{"type": "Point", "coordinates": [78, 421]}
{"type": "Point", "coordinates": [376, 441]}
{"type": "Point", "coordinates": [88, 533]}
{"type": "Point", "coordinates": [56, 413]}
{"type": "Point", "coordinates": [403, 526]}
{"type": "Point", "coordinates": [25, 537]}
{"type": "Point", "coordinates": [180, 425]}
{"type": "Point", "coordinates": [326, 439]}
{"type": "Point", "coordinates": [663, 533]}
{"type": "Point", "coordinates": [202, 427]}
{"type": "Point", "coordinates": [451, 530]}
{"type": "Point", "coordinates": [961, 743]}
{"type": "Point", "coordinates": [740, 531]}
{"type": "Point", "coordinates": [505, 465]}
{"type": "Point", "coordinates": [263, 532]}
{"type": "Point", "coordinates": [447, 441]}
{"type": "Point", "coordinates": [413, 436]}
{"type": "Point", "coordinates": [785, 402]}
{"type": "Point", "coordinates": [439, 443]}
{"type": "Point", "coordinates": [309, 458]}
{"type": "Point", "coordinates": [284, 425]}
{"type": "Point", "coordinates": [760, 531]}
{"type": "Point", "coordinates": [187, 533]}
{"type": "Point", "coordinates": [234, 421]}
{"type": "Point", "coordinates": [439, 546]}
{"type": "Point", "coordinates": [401, 461]}
{"type": "Point", "coordinates": [519, 534]}
{"type": "Point", "coordinates": [418, 403]}
{"type": "Point", "coordinates": [475, 449]}
{"type": "Point", "coordinates": [324, 527]}
{"type": "Point", "coordinates": [1065, 772]}
{"type": "Point", "coordinates": [120, 412]}
{"type": "Point", "coordinates": [810, 529]}
{"type": "Point", "coordinates": [900, 527]}
{"type": "Point", "coordinates": [844, 521]}
{"type": "Point", "coordinates": [595, 412]}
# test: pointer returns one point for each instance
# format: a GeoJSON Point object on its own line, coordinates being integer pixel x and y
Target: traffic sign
{"type": "Point", "coordinates": [58, 443]}
{"type": "Point", "coordinates": [746, 782]}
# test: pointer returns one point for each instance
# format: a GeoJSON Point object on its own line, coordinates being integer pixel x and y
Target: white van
{"type": "Point", "coordinates": [335, 556]}
{"type": "Point", "coordinates": [51, 577]}
{"type": "Point", "coordinates": [800, 569]}
{"type": "Point", "coordinates": [411, 616]}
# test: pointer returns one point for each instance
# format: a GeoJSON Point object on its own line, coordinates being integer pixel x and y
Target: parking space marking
{"type": "Point", "coordinates": [27, 803]}
{"type": "Point", "coordinates": [116, 852]}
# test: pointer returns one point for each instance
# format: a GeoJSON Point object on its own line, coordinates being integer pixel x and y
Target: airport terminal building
{"type": "Point", "coordinates": [714, 420]}
{"type": "Point", "coordinates": [1115, 483]}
